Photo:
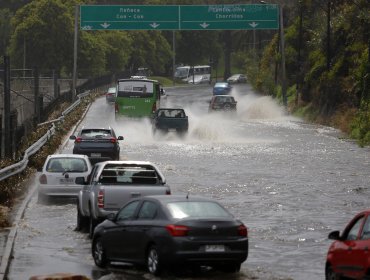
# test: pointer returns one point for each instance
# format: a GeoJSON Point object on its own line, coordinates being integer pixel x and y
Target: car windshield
{"type": "Point", "coordinates": [196, 209]}
{"type": "Point", "coordinates": [66, 165]}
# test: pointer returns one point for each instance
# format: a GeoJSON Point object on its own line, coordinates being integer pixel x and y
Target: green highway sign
{"type": "Point", "coordinates": [182, 17]}
{"type": "Point", "coordinates": [232, 17]}
{"type": "Point", "coordinates": [118, 17]}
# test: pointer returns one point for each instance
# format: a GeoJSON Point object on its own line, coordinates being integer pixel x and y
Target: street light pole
{"type": "Point", "coordinates": [74, 78]}
{"type": "Point", "coordinates": [282, 49]}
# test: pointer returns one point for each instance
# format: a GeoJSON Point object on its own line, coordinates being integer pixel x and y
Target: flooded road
{"type": "Point", "coordinates": [290, 182]}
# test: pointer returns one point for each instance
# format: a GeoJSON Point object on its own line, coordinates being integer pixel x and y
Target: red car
{"type": "Point", "coordinates": [349, 255]}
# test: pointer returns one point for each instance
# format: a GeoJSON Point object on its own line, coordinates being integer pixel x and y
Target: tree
{"type": "Point", "coordinates": [5, 29]}
{"type": "Point", "coordinates": [46, 28]}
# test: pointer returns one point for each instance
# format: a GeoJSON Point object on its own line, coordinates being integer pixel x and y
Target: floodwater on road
{"type": "Point", "coordinates": [290, 182]}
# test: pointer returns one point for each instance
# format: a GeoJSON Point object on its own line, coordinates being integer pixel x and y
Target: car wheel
{"type": "Point", "coordinates": [153, 261]}
{"type": "Point", "coordinates": [231, 267]}
{"type": "Point", "coordinates": [92, 226]}
{"type": "Point", "coordinates": [99, 253]}
{"type": "Point", "coordinates": [330, 274]}
{"type": "Point", "coordinates": [81, 220]}
{"type": "Point", "coordinates": [227, 107]}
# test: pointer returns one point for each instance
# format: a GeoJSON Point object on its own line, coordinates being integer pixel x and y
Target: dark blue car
{"type": "Point", "coordinates": [221, 88]}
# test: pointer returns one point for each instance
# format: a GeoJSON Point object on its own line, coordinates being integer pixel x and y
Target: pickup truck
{"type": "Point", "coordinates": [166, 119]}
{"type": "Point", "coordinates": [111, 184]}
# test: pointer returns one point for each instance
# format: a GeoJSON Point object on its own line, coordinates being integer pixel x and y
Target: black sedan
{"type": "Point", "coordinates": [169, 230]}
{"type": "Point", "coordinates": [99, 144]}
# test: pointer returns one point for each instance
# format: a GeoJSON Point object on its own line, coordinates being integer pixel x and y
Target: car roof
{"type": "Point", "coordinates": [67, 156]}
{"type": "Point", "coordinates": [170, 109]}
{"type": "Point", "coordinates": [221, 84]}
{"type": "Point", "coordinates": [178, 198]}
{"type": "Point", "coordinates": [222, 95]}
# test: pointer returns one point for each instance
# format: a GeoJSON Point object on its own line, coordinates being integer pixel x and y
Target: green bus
{"type": "Point", "coordinates": [137, 97]}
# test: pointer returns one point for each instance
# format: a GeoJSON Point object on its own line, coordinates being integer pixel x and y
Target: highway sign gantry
{"type": "Point", "coordinates": [179, 17]}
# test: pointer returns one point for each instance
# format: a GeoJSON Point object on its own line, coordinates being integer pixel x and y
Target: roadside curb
{"type": "Point", "coordinates": [5, 260]}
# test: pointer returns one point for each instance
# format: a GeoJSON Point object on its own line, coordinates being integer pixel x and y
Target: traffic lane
{"type": "Point", "coordinates": [47, 243]}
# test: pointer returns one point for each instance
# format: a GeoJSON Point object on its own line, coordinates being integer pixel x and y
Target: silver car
{"type": "Point", "coordinates": [58, 175]}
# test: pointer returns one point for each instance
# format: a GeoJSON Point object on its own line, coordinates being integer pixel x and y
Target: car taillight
{"type": "Point", "coordinates": [113, 140]}
{"type": "Point", "coordinates": [242, 230]}
{"type": "Point", "coordinates": [175, 230]}
{"type": "Point", "coordinates": [116, 107]}
{"type": "Point", "coordinates": [168, 192]}
{"type": "Point", "coordinates": [101, 199]}
{"type": "Point", "coordinates": [154, 108]}
{"type": "Point", "coordinates": [78, 140]}
{"type": "Point", "coordinates": [43, 179]}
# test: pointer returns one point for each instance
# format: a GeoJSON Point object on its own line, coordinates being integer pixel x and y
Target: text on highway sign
{"type": "Point", "coordinates": [179, 17]}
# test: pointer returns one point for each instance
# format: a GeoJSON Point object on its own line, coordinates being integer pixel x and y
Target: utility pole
{"type": "Point", "coordinates": [7, 144]}
{"type": "Point", "coordinates": [74, 78]}
{"type": "Point", "coordinates": [174, 56]}
{"type": "Point", "coordinates": [282, 49]}
{"type": "Point", "coordinates": [328, 53]}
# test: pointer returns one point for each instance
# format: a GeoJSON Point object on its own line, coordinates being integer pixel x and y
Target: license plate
{"type": "Point", "coordinates": [215, 248]}
{"type": "Point", "coordinates": [67, 180]}
{"type": "Point", "coordinates": [96, 154]}
{"type": "Point", "coordinates": [172, 129]}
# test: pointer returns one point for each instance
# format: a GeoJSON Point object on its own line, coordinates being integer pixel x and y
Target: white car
{"type": "Point", "coordinates": [237, 78]}
{"type": "Point", "coordinates": [58, 175]}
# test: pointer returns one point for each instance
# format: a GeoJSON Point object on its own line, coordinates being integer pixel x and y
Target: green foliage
{"type": "Point", "coordinates": [150, 49]}
{"type": "Point", "coordinates": [45, 29]}
{"type": "Point", "coordinates": [5, 29]}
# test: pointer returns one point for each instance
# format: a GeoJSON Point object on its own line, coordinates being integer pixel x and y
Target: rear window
{"type": "Point", "coordinates": [223, 99]}
{"type": "Point", "coordinates": [112, 90]}
{"type": "Point", "coordinates": [66, 165]}
{"type": "Point", "coordinates": [196, 209]}
{"type": "Point", "coordinates": [129, 175]}
{"type": "Point", "coordinates": [96, 133]}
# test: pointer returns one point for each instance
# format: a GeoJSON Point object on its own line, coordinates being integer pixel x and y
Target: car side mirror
{"type": "Point", "coordinates": [80, 181]}
{"type": "Point", "coordinates": [111, 216]}
{"type": "Point", "coordinates": [335, 235]}
{"type": "Point", "coordinates": [72, 137]}
{"type": "Point", "coordinates": [120, 138]}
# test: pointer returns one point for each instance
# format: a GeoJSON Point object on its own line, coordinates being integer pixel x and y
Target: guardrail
{"type": "Point", "coordinates": [35, 147]}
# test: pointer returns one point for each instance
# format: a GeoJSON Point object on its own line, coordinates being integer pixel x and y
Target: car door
{"type": "Point", "coordinates": [346, 251]}
{"type": "Point", "coordinates": [140, 229]}
{"type": "Point", "coordinates": [120, 238]}
{"type": "Point", "coordinates": [361, 249]}
{"type": "Point", "coordinates": [86, 190]}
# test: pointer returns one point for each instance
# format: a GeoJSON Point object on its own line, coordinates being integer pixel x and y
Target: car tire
{"type": "Point", "coordinates": [231, 267]}
{"type": "Point", "coordinates": [153, 261]}
{"type": "Point", "coordinates": [330, 274]}
{"type": "Point", "coordinates": [92, 225]}
{"type": "Point", "coordinates": [99, 253]}
{"type": "Point", "coordinates": [81, 222]}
